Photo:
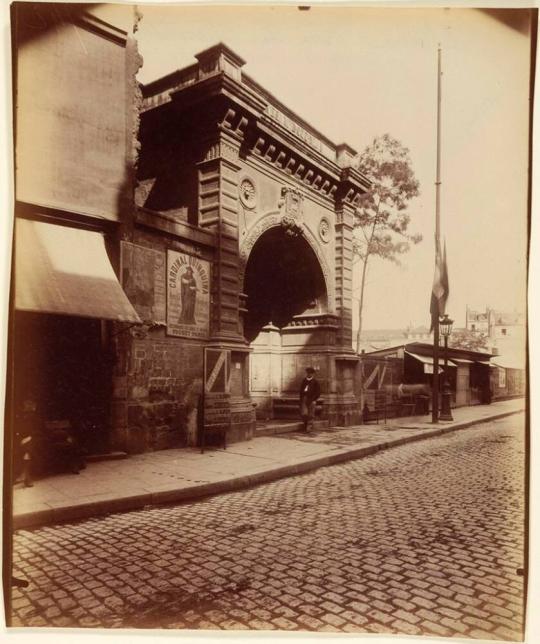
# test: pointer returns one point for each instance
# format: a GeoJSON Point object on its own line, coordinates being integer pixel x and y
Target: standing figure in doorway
{"type": "Point", "coordinates": [310, 391]}
{"type": "Point", "coordinates": [188, 294]}
{"type": "Point", "coordinates": [25, 435]}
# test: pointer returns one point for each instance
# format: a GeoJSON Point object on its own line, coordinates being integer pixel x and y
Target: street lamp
{"type": "Point", "coordinates": [445, 328]}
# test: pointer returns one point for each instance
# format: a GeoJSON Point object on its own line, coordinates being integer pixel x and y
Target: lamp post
{"type": "Point", "coordinates": [445, 327]}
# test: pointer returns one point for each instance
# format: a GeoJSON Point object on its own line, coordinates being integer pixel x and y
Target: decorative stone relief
{"type": "Point", "coordinates": [324, 230]}
{"type": "Point", "coordinates": [142, 190]}
{"type": "Point", "coordinates": [248, 193]}
{"type": "Point", "coordinates": [291, 204]}
{"type": "Point", "coordinates": [291, 226]}
{"type": "Point", "coordinates": [221, 149]}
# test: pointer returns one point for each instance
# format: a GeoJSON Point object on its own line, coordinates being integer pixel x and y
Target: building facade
{"type": "Point", "coordinates": [496, 324]}
{"type": "Point", "coordinates": [180, 259]}
{"type": "Point", "coordinates": [244, 226]}
{"type": "Point", "coordinates": [469, 373]}
{"type": "Point", "coordinates": [74, 185]}
{"type": "Point", "coordinates": [506, 335]}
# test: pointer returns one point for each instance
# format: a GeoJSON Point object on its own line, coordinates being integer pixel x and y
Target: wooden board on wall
{"type": "Point", "coordinates": [144, 280]}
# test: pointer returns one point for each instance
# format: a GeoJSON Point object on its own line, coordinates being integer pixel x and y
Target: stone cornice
{"type": "Point", "coordinates": [286, 158]}
{"type": "Point", "coordinates": [220, 62]}
{"type": "Point", "coordinates": [279, 113]}
{"type": "Point", "coordinates": [100, 27]}
{"type": "Point", "coordinates": [220, 53]}
{"type": "Point", "coordinates": [276, 174]}
{"type": "Point", "coordinates": [267, 129]}
{"type": "Point", "coordinates": [310, 320]}
{"type": "Point", "coordinates": [160, 221]}
{"type": "Point", "coordinates": [352, 185]}
{"type": "Point", "coordinates": [188, 89]}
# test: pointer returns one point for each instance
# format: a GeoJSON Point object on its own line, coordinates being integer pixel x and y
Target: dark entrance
{"type": "Point", "coordinates": [283, 280]}
{"type": "Point", "coordinates": [286, 303]}
{"type": "Point", "coordinates": [61, 364]}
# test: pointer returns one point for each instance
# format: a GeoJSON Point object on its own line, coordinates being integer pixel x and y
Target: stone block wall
{"type": "Point", "coordinates": [164, 385]}
{"type": "Point", "coordinates": [156, 399]}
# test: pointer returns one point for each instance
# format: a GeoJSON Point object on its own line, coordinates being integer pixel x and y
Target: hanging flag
{"type": "Point", "coordinates": [445, 284]}
{"type": "Point", "coordinates": [440, 290]}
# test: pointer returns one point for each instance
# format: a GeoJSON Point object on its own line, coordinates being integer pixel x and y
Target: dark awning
{"type": "Point", "coordinates": [427, 361]}
{"type": "Point", "coordinates": [67, 271]}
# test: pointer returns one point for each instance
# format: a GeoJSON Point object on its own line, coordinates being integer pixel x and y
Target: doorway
{"type": "Point", "coordinates": [62, 364]}
{"type": "Point", "coordinates": [286, 295]}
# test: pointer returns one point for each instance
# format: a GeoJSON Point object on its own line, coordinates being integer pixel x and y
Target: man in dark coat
{"type": "Point", "coordinates": [310, 390]}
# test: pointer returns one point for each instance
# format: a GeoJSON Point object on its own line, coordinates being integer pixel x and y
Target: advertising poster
{"type": "Point", "coordinates": [188, 295]}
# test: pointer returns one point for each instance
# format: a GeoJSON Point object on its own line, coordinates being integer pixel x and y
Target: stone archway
{"type": "Point", "coordinates": [286, 320]}
{"type": "Point", "coordinates": [283, 279]}
{"type": "Point", "coordinates": [275, 219]}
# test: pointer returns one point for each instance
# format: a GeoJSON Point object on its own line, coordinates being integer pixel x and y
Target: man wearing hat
{"type": "Point", "coordinates": [309, 392]}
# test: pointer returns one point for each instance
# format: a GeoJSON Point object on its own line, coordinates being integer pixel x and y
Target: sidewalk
{"type": "Point", "coordinates": [184, 474]}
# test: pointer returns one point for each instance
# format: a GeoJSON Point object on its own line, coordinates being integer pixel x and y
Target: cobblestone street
{"type": "Point", "coordinates": [426, 538]}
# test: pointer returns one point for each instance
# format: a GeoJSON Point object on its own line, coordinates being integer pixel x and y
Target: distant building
{"type": "Point", "coordinates": [506, 333]}
{"type": "Point", "coordinates": [495, 324]}
{"type": "Point", "coordinates": [475, 377]}
{"type": "Point", "coordinates": [375, 339]}
{"type": "Point", "coordinates": [468, 371]}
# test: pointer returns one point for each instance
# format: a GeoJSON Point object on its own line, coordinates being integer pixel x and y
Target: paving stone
{"type": "Point", "coordinates": [454, 625]}
{"type": "Point", "coordinates": [476, 612]}
{"type": "Point", "coordinates": [400, 626]}
{"type": "Point", "coordinates": [507, 634]}
{"type": "Point", "coordinates": [380, 616]}
{"type": "Point", "coordinates": [449, 603]}
{"type": "Point", "coordinates": [375, 627]}
{"type": "Point", "coordinates": [312, 623]}
{"type": "Point", "coordinates": [348, 552]}
{"type": "Point", "coordinates": [405, 605]}
{"type": "Point", "coordinates": [440, 591]}
{"type": "Point", "coordinates": [20, 603]}
{"type": "Point", "coordinates": [332, 607]}
{"type": "Point", "coordinates": [422, 602]}
{"type": "Point", "coordinates": [53, 611]}
{"type": "Point", "coordinates": [66, 603]}
{"type": "Point", "coordinates": [482, 635]}
{"type": "Point", "coordinates": [497, 610]}
{"type": "Point", "coordinates": [37, 621]}
{"type": "Point", "coordinates": [407, 616]}
{"type": "Point", "coordinates": [479, 623]}
{"type": "Point", "coordinates": [437, 629]}
{"type": "Point", "coordinates": [503, 621]}
{"type": "Point", "coordinates": [284, 624]}
{"type": "Point", "coordinates": [333, 619]}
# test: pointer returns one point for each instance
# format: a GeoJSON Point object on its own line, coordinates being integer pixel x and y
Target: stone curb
{"type": "Point", "coordinates": [183, 495]}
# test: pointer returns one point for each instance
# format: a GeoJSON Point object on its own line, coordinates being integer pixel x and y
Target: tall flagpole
{"type": "Point", "coordinates": [435, 391]}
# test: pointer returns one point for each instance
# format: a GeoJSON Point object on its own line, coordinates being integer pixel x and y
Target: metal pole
{"type": "Point", "coordinates": [435, 393]}
{"type": "Point", "coordinates": [446, 406]}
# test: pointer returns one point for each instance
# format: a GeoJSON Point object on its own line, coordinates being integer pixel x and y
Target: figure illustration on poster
{"type": "Point", "coordinates": [188, 296]}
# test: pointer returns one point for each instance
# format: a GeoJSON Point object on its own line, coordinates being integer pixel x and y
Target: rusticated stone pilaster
{"type": "Point", "coordinates": [218, 211]}
{"type": "Point", "coordinates": [343, 275]}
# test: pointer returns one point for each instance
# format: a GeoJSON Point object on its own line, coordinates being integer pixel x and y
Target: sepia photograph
{"type": "Point", "coordinates": [266, 350]}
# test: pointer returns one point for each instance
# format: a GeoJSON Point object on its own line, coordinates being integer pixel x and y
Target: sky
{"type": "Point", "coordinates": [356, 73]}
